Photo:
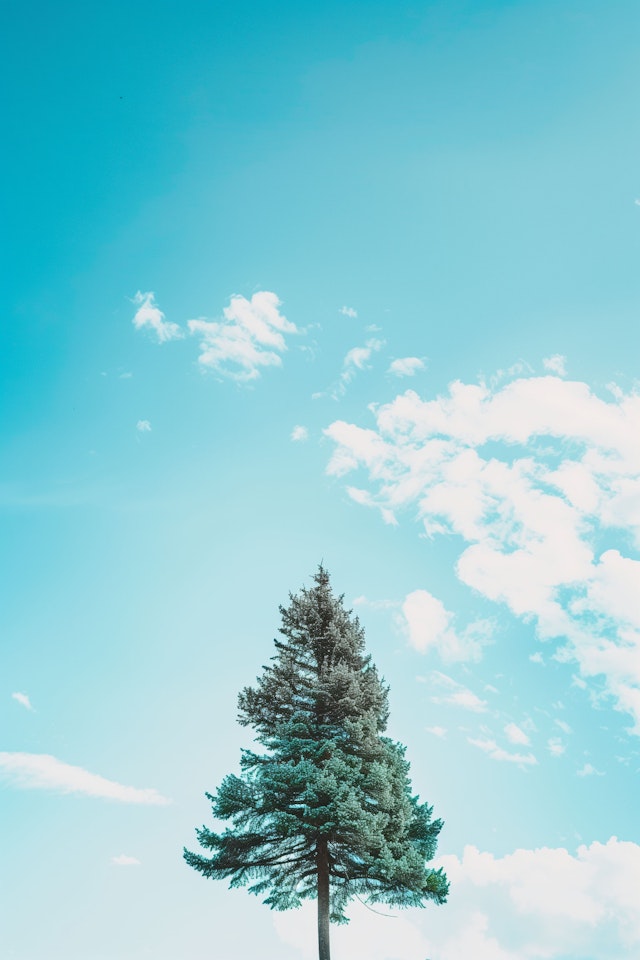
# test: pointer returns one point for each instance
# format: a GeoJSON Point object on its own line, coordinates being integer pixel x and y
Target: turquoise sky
{"type": "Point", "coordinates": [342, 282]}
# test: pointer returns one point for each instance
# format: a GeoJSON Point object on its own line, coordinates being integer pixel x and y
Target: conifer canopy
{"type": "Point", "coordinates": [326, 811]}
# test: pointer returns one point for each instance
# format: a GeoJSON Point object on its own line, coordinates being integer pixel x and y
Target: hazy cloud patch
{"type": "Point", "coordinates": [40, 771]}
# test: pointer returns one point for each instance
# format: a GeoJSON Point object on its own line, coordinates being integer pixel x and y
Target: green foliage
{"type": "Point", "coordinates": [320, 711]}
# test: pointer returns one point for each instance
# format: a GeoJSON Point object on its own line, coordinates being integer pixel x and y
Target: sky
{"type": "Point", "coordinates": [320, 282]}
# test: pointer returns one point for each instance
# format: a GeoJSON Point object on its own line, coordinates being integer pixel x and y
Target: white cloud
{"type": "Point", "coordinates": [556, 364]}
{"type": "Point", "coordinates": [368, 936]}
{"type": "Point", "coordinates": [123, 860]}
{"type": "Point", "coordinates": [455, 694]}
{"type": "Point", "coordinates": [406, 366]}
{"type": "Point", "coordinates": [563, 466]}
{"type": "Point", "coordinates": [429, 626]}
{"type": "Point", "coordinates": [143, 426]}
{"type": "Point", "coordinates": [528, 905]}
{"type": "Point", "coordinates": [40, 771]}
{"type": "Point", "coordinates": [358, 357]}
{"type": "Point", "coordinates": [515, 734]}
{"type": "Point", "coordinates": [437, 731]}
{"type": "Point", "coordinates": [299, 434]}
{"type": "Point", "coordinates": [150, 316]}
{"type": "Point", "coordinates": [588, 770]}
{"type": "Point", "coordinates": [544, 903]}
{"type": "Point", "coordinates": [555, 746]}
{"type": "Point", "coordinates": [491, 748]}
{"type": "Point", "coordinates": [250, 335]}
{"type": "Point", "coordinates": [23, 699]}
{"type": "Point", "coordinates": [536, 657]}
{"type": "Point", "coordinates": [348, 312]}
{"type": "Point", "coordinates": [564, 726]}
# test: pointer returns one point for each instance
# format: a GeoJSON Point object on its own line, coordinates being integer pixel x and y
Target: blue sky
{"type": "Point", "coordinates": [344, 282]}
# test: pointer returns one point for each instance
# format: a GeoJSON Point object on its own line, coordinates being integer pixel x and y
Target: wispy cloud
{"type": "Point", "coordinates": [406, 366]}
{"type": "Point", "coordinates": [348, 312]}
{"type": "Point", "coordinates": [564, 467]}
{"type": "Point", "coordinates": [250, 336]}
{"type": "Point", "coordinates": [41, 771]}
{"type": "Point", "coordinates": [555, 746]}
{"type": "Point", "coordinates": [556, 364]}
{"type": "Point", "coordinates": [437, 731]}
{"type": "Point", "coordinates": [299, 434]}
{"type": "Point", "coordinates": [455, 694]}
{"type": "Point", "coordinates": [23, 699]}
{"type": "Point", "coordinates": [149, 316]}
{"type": "Point", "coordinates": [122, 860]}
{"type": "Point", "coordinates": [516, 734]}
{"type": "Point", "coordinates": [355, 361]}
{"type": "Point", "coordinates": [143, 426]}
{"type": "Point", "coordinates": [588, 770]}
{"type": "Point", "coordinates": [491, 748]}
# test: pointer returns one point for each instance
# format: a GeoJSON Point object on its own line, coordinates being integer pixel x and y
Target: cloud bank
{"type": "Point", "coordinates": [527, 905]}
{"type": "Point", "coordinates": [530, 476]}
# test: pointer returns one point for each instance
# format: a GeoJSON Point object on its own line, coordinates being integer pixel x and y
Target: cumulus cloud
{"type": "Point", "coordinates": [149, 316]}
{"type": "Point", "coordinates": [348, 312]}
{"type": "Point", "coordinates": [526, 905]}
{"type": "Point", "coordinates": [143, 426]}
{"type": "Point", "coordinates": [562, 466]}
{"type": "Point", "coordinates": [429, 626]}
{"type": "Point", "coordinates": [299, 434]}
{"type": "Point", "coordinates": [22, 699]}
{"type": "Point", "coordinates": [250, 336]}
{"type": "Point", "coordinates": [40, 771]}
{"type": "Point", "coordinates": [406, 366]}
{"type": "Point", "coordinates": [123, 860]}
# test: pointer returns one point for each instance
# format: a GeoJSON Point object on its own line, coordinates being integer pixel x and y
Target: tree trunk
{"type": "Point", "coordinates": [324, 952]}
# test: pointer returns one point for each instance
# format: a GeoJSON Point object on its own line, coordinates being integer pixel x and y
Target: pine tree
{"type": "Point", "coordinates": [327, 811]}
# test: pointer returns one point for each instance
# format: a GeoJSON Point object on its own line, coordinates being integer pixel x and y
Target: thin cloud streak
{"type": "Point", "coordinates": [41, 771]}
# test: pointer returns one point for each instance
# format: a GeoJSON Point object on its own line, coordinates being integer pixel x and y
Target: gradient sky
{"type": "Point", "coordinates": [350, 282]}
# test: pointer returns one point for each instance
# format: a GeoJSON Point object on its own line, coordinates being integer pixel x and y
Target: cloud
{"type": "Point", "coordinates": [588, 770]}
{"type": "Point", "coordinates": [143, 426]}
{"type": "Point", "coordinates": [437, 731]}
{"type": "Point", "coordinates": [358, 358]}
{"type": "Point", "coordinates": [368, 936]}
{"type": "Point", "coordinates": [555, 746]}
{"type": "Point", "coordinates": [23, 699]}
{"type": "Point", "coordinates": [527, 905]}
{"type": "Point", "coordinates": [40, 771]}
{"type": "Point", "coordinates": [150, 316]}
{"type": "Point", "coordinates": [299, 434]}
{"type": "Point", "coordinates": [122, 860]}
{"type": "Point", "coordinates": [528, 475]}
{"type": "Point", "coordinates": [515, 734]}
{"type": "Point", "coordinates": [544, 903]}
{"type": "Point", "coordinates": [348, 312]}
{"type": "Point", "coordinates": [556, 364]}
{"type": "Point", "coordinates": [491, 748]}
{"type": "Point", "coordinates": [250, 336]}
{"type": "Point", "coordinates": [455, 694]}
{"type": "Point", "coordinates": [429, 626]}
{"type": "Point", "coordinates": [406, 367]}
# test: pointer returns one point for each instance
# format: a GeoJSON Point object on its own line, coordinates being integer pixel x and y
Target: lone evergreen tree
{"type": "Point", "coordinates": [327, 812]}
